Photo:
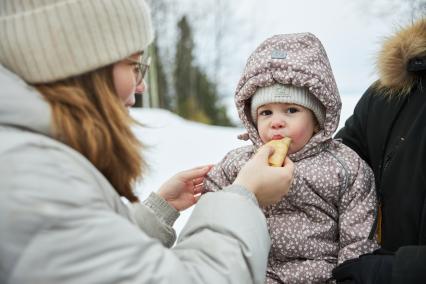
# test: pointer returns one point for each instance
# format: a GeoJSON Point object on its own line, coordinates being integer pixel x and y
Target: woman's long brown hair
{"type": "Point", "coordinates": [89, 116]}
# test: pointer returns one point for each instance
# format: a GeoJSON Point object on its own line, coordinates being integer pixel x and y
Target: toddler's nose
{"type": "Point", "coordinates": [277, 123]}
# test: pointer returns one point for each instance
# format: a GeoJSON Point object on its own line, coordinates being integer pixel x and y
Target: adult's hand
{"type": "Point", "coordinates": [183, 189]}
{"type": "Point", "coordinates": [269, 184]}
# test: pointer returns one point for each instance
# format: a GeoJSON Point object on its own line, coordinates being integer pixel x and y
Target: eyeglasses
{"type": "Point", "coordinates": [141, 68]}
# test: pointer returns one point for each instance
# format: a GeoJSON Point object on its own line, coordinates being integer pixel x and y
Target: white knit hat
{"type": "Point", "coordinates": [279, 93]}
{"type": "Point", "coordinates": [49, 40]}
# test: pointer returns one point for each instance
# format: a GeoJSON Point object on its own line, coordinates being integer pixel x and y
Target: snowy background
{"type": "Point", "coordinates": [174, 144]}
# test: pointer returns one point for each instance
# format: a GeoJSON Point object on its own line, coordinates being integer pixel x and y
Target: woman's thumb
{"type": "Point", "coordinates": [264, 152]}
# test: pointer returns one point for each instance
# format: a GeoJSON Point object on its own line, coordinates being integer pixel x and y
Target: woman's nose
{"type": "Point", "coordinates": [140, 89]}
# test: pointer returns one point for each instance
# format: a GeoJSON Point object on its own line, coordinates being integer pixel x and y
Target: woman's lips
{"type": "Point", "coordinates": [277, 137]}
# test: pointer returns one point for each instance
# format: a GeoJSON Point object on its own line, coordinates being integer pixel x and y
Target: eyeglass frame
{"type": "Point", "coordinates": [143, 66]}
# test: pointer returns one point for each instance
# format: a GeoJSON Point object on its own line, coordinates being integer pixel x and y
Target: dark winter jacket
{"type": "Point", "coordinates": [388, 130]}
{"type": "Point", "coordinates": [328, 214]}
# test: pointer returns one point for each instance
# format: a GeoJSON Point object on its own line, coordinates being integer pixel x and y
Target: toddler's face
{"type": "Point", "coordinates": [278, 120]}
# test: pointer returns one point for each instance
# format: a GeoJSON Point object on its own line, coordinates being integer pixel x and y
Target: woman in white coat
{"type": "Point", "coordinates": [69, 69]}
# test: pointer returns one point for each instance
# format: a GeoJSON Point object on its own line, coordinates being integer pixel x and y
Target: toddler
{"type": "Point", "coordinates": [288, 90]}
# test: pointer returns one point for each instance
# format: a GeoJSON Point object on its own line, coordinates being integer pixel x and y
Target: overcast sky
{"type": "Point", "coordinates": [350, 34]}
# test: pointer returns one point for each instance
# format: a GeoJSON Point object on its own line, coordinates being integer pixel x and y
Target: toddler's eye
{"type": "Point", "coordinates": [265, 112]}
{"type": "Point", "coordinates": [292, 110]}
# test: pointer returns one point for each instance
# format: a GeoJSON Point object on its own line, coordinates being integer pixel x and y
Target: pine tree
{"type": "Point", "coordinates": [208, 98]}
{"type": "Point", "coordinates": [183, 74]}
{"type": "Point", "coordinates": [158, 85]}
{"type": "Point", "coordinates": [196, 94]}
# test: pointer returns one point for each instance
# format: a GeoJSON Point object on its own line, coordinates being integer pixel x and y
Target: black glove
{"type": "Point", "coordinates": [374, 268]}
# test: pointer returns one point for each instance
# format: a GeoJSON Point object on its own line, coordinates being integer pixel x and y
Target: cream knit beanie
{"type": "Point", "coordinates": [279, 93]}
{"type": "Point", "coordinates": [49, 40]}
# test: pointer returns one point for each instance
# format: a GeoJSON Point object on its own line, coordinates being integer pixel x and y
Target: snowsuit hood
{"type": "Point", "coordinates": [294, 59]}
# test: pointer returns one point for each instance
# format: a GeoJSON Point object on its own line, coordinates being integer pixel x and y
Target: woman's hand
{"type": "Point", "coordinates": [183, 190]}
{"type": "Point", "coordinates": [269, 184]}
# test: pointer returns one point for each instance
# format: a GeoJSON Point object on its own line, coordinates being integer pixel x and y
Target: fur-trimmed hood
{"type": "Point", "coordinates": [295, 59]}
{"type": "Point", "coordinates": [393, 59]}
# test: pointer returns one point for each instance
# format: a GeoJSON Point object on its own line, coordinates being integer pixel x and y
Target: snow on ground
{"type": "Point", "coordinates": [174, 144]}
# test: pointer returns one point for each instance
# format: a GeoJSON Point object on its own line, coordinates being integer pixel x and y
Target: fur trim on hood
{"type": "Point", "coordinates": [397, 51]}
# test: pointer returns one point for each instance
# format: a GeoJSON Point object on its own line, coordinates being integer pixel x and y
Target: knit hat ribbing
{"type": "Point", "coordinates": [279, 93]}
{"type": "Point", "coordinates": [45, 41]}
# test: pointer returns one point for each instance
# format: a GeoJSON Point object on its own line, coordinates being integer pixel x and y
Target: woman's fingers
{"type": "Point", "coordinates": [198, 180]}
{"type": "Point", "coordinates": [197, 197]}
{"type": "Point", "coordinates": [195, 172]}
{"type": "Point", "coordinates": [198, 188]}
{"type": "Point", "coordinates": [263, 153]}
{"type": "Point", "coordinates": [289, 164]}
